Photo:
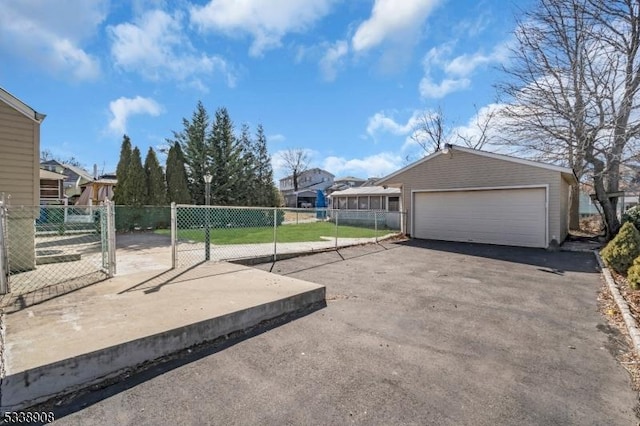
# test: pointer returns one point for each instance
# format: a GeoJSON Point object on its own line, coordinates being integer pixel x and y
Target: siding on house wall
{"type": "Point", "coordinates": [19, 162]}
{"type": "Point", "coordinates": [19, 178]}
{"type": "Point", "coordinates": [464, 170]}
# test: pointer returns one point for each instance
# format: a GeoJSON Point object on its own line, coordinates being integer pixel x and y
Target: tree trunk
{"type": "Point", "coordinates": [574, 208]}
{"type": "Point", "coordinates": [608, 208]}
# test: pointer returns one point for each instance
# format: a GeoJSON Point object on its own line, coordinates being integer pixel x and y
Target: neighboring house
{"type": "Point", "coordinates": [462, 194]}
{"type": "Point", "coordinates": [309, 183]}
{"type": "Point", "coordinates": [630, 200]}
{"type": "Point", "coordinates": [587, 205]}
{"type": "Point", "coordinates": [96, 191]}
{"type": "Point", "coordinates": [346, 182]}
{"type": "Point", "coordinates": [372, 181]}
{"type": "Point", "coordinates": [368, 198]}
{"type": "Point", "coordinates": [76, 177]}
{"type": "Point", "coordinates": [51, 188]}
{"type": "Point", "coordinates": [19, 176]}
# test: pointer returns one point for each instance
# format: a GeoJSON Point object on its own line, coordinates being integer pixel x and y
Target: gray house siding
{"type": "Point", "coordinates": [19, 181]}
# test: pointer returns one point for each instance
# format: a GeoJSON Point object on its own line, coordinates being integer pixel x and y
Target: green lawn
{"type": "Point", "coordinates": [286, 233]}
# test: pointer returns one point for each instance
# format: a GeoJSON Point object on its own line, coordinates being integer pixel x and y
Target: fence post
{"type": "Point", "coordinates": [111, 237]}
{"type": "Point", "coordinates": [337, 214]}
{"type": "Point", "coordinates": [207, 234]}
{"type": "Point", "coordinates": [4, 268]}
{"type": "Point", "coordinates": [275, 233]}
{"type": "Point", "coordinates": [375, 222]}
{"type": "Point", "coordinates": [174, 236]}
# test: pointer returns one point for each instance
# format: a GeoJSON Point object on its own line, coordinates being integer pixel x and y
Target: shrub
{"type": "Point", "coordinates": [632, 215]}
{"type": "Point", "coordinates": [633, 274]}
{"type": "Point", "coordinates": [621, 251]}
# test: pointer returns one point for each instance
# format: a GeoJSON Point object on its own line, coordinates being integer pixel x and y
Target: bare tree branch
{"type": "Point", "coordinates": [571, 90]}
{"type": "Point", "coordinates": [296, 161]}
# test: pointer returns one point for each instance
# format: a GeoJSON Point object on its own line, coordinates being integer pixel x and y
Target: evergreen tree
{"type": "Point", "coordinates": [156, 193]}
{"type": "Point", "coordinates": [194, 142]}
{"type": "Point", "coordinates": [248, 189]}
{"type": "Point", "coordinates": [135, 190]}
{"type": "Point", "coordinates": [120, 190]}
{"type": "Point", "coordinates": [226, 159]}
{"type": "Point", "coordinates": [177, 181]}
{"type": "Point", "coordinates": [266, 190]}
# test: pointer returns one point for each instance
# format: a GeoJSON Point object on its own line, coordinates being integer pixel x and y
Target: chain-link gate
{"type": "Point", "coordinates": [214, 233]}
{"type": "Point", "coordinates": [60, 248]}
{"type": "Point", "coordinates": [204, 233]}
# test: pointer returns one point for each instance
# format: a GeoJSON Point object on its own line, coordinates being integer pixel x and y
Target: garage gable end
{"type": "Point", "coordinates": [474, 174]}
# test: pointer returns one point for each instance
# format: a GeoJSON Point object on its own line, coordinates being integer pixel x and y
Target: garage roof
{"type": "Point", "coordinates": [566, 172]}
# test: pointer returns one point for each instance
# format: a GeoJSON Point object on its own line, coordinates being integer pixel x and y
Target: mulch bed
{"type": "Point", "coordinates": [625, 354]}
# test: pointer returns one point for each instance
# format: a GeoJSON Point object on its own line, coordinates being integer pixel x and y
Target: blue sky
{"type": "Point", "coordinates": [344, 80]}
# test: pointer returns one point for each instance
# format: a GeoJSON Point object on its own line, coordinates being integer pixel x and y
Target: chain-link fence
{"type": "Point", "coordinates": [56, 246]}
{"type": "Point", "coordinates": [143, 238]}
{"type": "Point", "coordinates": [204, 233]}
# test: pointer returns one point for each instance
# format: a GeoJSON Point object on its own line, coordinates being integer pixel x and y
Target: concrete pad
{"type": "Point", "coordinates": [98, 332]}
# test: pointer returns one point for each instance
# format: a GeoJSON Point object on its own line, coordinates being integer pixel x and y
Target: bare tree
{"type": "Point", "coordinates": [432, 132]}
{"type": "Point", "coordinates": [429, 133]}
{"type": "Point", "coordinates": [481, 128]}
{"type": "Point", "coordinates": [571, 90]}
{"type": "Point", "coordinates": [296, 161]}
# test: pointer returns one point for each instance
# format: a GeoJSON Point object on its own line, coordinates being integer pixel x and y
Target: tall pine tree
{"type": "Point", "coordinates": [226, 157]}
{"type": "Point", "coordinates": [120, 190]}
{"type": "Point", "coordinates": [177, 183]}
{"type": "Point", "coordinates": [267, 192]}
{"type": "Point", "coordinates": [194, 140]}
{"type": "Point", "coordinates": [247, 191]}
{"type": "Point", "coordinates": [156, 193]}
{"type": "Point", "coordinates": [135, 190]}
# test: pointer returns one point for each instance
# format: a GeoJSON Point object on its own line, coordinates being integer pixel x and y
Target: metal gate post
{"type": "Point", "coordinates": [111, 237]}
{"type": "Point", "coordinates": [174, 235]}
{"type": "Point", "coordinates": [275, 233]}
{"type": "Point", "coordinates": [375, 221]}
{"type": "Point", "coordinates": [4, 267]}
{"type": "Point", "coordinates": [337, 214]}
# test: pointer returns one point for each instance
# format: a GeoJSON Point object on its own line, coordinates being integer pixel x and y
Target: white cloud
{"type": "Point", "coordinates": [156, 47]}
{"type": "Point", "coordinates": [382, 121]}
{"type": "Point", "coordinates": [333, 59]}
{"type": "Point", "coordinates": [466, 64]}
{"type": "Point", "coordinates": [122, 108]}
{"type": "Point", "coordinates": [392, 19]}
{"type": "Point", "coordinates": [276, 138]}
{"type": "Point", "coordinates": [376, 165]}
{"type": "Point", "coordinates": [430, 89]}
{"type": "Point", "coordinates": [266, 21]}
{"type": "Point", "coordinates": [457, 71]}
{"type": "Point", "coordinates": [52, 33]}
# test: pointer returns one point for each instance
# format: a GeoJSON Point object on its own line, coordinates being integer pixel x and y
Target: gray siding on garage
{"type": "Point", "coordinates": [460, 169]}
{"type": "Point", "coordinates": [565, 190]}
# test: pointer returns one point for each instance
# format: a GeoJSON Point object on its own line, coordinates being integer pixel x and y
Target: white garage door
{"type": "Point", "coordinates": [513, 217]}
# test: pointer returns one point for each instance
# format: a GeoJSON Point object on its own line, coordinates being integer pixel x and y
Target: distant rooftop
{"type": "Point", "coordinates": [367, 190]}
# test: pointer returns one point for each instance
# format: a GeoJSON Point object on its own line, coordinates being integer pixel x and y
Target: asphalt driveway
{"type": "Point", "coordinates": [414, 333]}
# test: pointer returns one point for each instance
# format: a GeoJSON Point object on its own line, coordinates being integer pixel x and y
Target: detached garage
{"type": "Point", "coordinates": [462, 194]}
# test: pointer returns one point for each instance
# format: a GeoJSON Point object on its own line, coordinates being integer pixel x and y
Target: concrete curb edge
{"type": "Point", "coordinates": [629, 320]}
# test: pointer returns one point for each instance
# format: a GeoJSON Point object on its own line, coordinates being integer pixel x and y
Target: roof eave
{"type": "Point", "coordinates": [20, 106]}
